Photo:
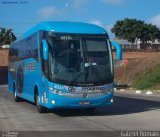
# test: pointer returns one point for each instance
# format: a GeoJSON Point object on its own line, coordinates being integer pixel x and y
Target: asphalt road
{"type": "Point", "coordinates": [127, 113]}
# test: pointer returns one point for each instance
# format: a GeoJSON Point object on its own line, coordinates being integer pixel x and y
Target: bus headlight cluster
{"type": "Point", "coordinates": [108, 91]}
{"type": "Point", "coordinates": [53, 101]}
{"type": "Point", "coordinates": [55, 91]}
{"type": "Point", "coordinates": [111, 100]}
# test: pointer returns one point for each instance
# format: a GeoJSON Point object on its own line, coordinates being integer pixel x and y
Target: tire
{"type": "Point", "coordinates": [16, 98]}
{"type": "Point", "coordinates": [40, 108]}
{"type": "Point", "coordinates": [20, 79]}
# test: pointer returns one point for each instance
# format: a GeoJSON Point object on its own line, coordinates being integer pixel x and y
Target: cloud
{"type": "Point", "coordinates": [49, 12]}
{"type": "Point", "coordinates": [155, 20]}
{"type": "Point", "coordinates": [78, 4]}
{"type": "Point", "coordinates": [99, 23]}
{"type": "Point", "coordinates": [114, 2]}
{"type": "Point", "coordinates": [96, 22]}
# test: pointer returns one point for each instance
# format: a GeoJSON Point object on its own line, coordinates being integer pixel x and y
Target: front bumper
{"type": "Point", "coordinates": [59, 101]}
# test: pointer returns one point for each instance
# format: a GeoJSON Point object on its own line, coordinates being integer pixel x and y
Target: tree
{"type": "Point", "coordinates": [131, 29]}
{"type": "Point", "coordinates": [128, 29]}
{"type": "Point", "coordinates": [6, 36]}
{"type": "Point", "coordinates": [159, 35]}
{"type": "Point", "coordinates": [154, 32]}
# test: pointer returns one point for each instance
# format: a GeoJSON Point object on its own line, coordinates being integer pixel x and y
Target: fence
{"type": "Point", "coordinates": [3, 74]}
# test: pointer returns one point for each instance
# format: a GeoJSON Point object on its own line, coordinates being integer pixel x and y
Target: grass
{"type": "Point", "coordinates": [149, 79]}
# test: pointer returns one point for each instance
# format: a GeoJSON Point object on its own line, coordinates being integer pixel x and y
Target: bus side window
{"type": "Point", "coordinates": [44, 63]}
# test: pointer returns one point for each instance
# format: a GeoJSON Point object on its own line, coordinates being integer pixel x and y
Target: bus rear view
{"type": "Point", "coordinates": [73, 68]}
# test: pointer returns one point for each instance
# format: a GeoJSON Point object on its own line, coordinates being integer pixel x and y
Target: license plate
{"type": "Point", "coordinates": [84, 102]}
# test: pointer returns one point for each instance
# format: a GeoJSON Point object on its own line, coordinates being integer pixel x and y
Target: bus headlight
{"type": "Point", "coordinates": [111, 100]}
{"type": "Point", "coordinates": [51, 89]}
{"type": "Point", "coordinates": [53, 101]}
{"type": "Point", "coordinates": [109, 91]}
{"type": "Point", "coordinates": [55, 91]}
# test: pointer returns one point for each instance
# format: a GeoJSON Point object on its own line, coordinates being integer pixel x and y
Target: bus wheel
{"type": "Point", "coordinates": [16, 98]}
{"type": "Point", "coordinates": [40, 108]}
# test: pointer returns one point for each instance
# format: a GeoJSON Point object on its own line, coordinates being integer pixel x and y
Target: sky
{"type": "Point", "coordinates": [21, 15]}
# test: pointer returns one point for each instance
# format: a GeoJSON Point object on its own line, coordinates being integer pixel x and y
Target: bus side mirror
{"type": "Point", "coordinates": [118, 48]}
{"type": "Point", "coordinates": [45, 49]}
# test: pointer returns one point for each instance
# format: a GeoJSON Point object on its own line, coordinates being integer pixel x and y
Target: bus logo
{"type": "Point", "coordinates": [71, 89]}
{"type": "Point", "coordinates": [85, 95]}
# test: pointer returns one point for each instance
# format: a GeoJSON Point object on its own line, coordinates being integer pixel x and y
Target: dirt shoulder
{"type": "Point", "coordinates": [137, 63]}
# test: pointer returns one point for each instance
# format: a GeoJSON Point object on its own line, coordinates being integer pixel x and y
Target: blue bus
{"type": "Point", "coordinates": [62, 65]}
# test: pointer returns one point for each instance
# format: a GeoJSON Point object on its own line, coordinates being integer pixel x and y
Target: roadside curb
{"type": "Point", "coordinates": [138, 92]}
{"type": "Point", "coordinates": [3, 86]}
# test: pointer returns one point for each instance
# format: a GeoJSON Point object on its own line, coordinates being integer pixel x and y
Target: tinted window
{"type": "Point", "coordinates": [24, 49]}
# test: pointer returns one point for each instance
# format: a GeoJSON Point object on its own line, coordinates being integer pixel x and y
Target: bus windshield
{"type": "Point", "coordinates": [80, 61]}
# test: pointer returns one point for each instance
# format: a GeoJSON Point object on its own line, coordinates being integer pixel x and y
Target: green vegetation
{"type": "Point", "coordinates": [149, 79]}
{"type": "Point", "coordinates": [6, 36]}
{"type": "Point", "coordinates": [132, 29]}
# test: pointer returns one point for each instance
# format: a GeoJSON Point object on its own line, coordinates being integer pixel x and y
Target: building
{"type": "Point", "coordinates": [138, 44]}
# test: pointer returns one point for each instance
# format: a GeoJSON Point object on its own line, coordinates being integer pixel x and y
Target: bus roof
{"type": "Point", "coordinates": [66, 27]}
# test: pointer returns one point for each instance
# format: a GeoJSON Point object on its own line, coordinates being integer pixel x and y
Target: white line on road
{"type": "Point", "coordinates": [1, 86]}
